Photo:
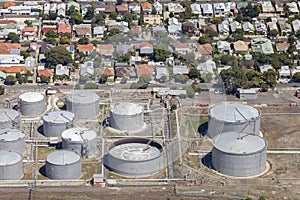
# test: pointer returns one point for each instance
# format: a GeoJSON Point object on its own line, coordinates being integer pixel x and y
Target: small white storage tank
{"type": "Point", "coordinates": [63, 165]}
{"type": "Point", "coordinates": [79, 140]}
{"type": "Point", "coordinates": [10, 118]}
{"type": "Point", "coordinates": [11, 165]}
{"type": "Point", "coordinates": [126, 116]}
{"type": "Point", "coordinates": [54, 123]}
{"type": "Point", "coordinates": [84, 105]}
{"type": "Point", "coordinates": [135, 157]}
{"type": "Point", "coordinates": [239, 154]}
{"type": "Point", "coordinates": [233, 117]}
{"type": "Point", "coordinates": [12, 140]}
{"type": "Point", "coordinates": [32, 104]}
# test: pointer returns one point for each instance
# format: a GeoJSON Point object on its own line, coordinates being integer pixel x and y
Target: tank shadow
{"type": "Point", "coordinates": [43, 170]}
{"type": "Point", "coordinates": [202, 129]}
{"type": "Point", "coordinates": [40, 129]}
{"type": "Point", "coordinates": [207, 160]}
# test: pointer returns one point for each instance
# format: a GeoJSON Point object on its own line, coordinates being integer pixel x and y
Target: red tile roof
{"type": "Point", "coordinates": [12, 69]}
{"type": "Point", "coordinates": [204, 49]}
{"type": "Point", "coordinates": [144, 69]}
{"type": "Point", "coordinates": [146, 5]}
{"type": "Point", "coordinates": [46, 29]}
{"type": "Point", "coordinates": [180, 45]}
{"type": "Point", "coordinates": [7, 4]}
{"type": "Point", "coordinates": [6, 47]}
{"type": "Point", "coordinates": [144, 45]}
{"type": "Point", "coordinates": [108, 71]}
{"type": "Point", "coordinates": [5, 21]}
{"type": "Point", "coordinates": [64, 28]}
{"type": "Point", "coordinates": [45, 72]}
{"type": "Point", "coordinates": [85, 47]}
{"type": "Point", "coordinates": [28, 29]}
{"type": "Point", "coordinates": [122, 7]}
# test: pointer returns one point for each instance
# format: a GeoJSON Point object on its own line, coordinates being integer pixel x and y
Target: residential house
{"type": "Point", "coordinates": [219, 9]}
{"type": "Point", "coordinates": [134, 60]}
{"type": "Point", "coordinates": [134, 8]}
{"type": "Point", "coordinates": [152, 19]}
{"type": "Point", "coordinates": [240, 47]}
{"type": "Point", "coordinates": [203, 50]}
{"type": "Point", "coordinates": [123, 70]}
{"type": "Point", "coordinates": [235, 25]}
{"type": "Point", "coordinates": [209, 66]}
{"type": "Point", "coordinates": [75, 4]}
{"type": "Point", "coordinates": [207, 10]}
{"type": "Point", "coordinates": [47, 28]}
{"type": "Point", "coordinates": [284, 72]}
{"type": "Point", "coordinates": [106, 50]}
{"type": "Point", "coordinates": [83, 30]}
{"type": "Point", "coordinates": [279, 8]}
{"type": "Point", "coordinates": [144, 69]}
{"type": "Point", "coordinates": [296, 25]}
{"type": "Point", "coordinates": [223, 46]}
{"type": "Point", "coordinates": [53, 8]}
{"type": "Point", "coordinates": [158, 28]}
{"type": "Point", "coordinates": [196, 9]}
{"type": "Point", "coordinates": [98, 31]}
{"type": "Point", "coordinates": [265, 68]}
{"type": "Point", "coordinates": [145, 49]}
{"type": "Point", "coordinates": [224, 28]}
{"type": "Point", "coordinates": [61, 9]}
{"type": "Point", "coordinates": [161, 72]}
{"type": "Point", "coordinates": [123, 48]}
{"type": "Point", "coordinates": [137, 30]}
{"type": "Point", "coordinates": [272, 25]}
{"type": "Point", "coordinates": [298, 45]}
{"type": "Point", "coordinates": [293, 8]}
{"type": "Point", "coordinates": [282, 46]}
{"type": "Point", "coordinates": [122, 8]}
{"type": "Point", "coordinates": [61, 70]}
{"type": "Point", "coordinates": [17, 10]}
{"type": "Point", "coordinates": [285, 28]}
{"type": "Point", "coordinates": [87, 69]}
{"type": "Point", "coordinates": [84, 9]}
{"type": "Point", "coordinates": [8, 4]}
{"type": "Point", "coordinates": [230, 8]}
{"type": "Point", "coordinates": [261, 28]}
{"type": "Point", "coordinates": [10, 53]}
{"type": "Point", "coordinates": [180, 69]}
{"type": "Point", "coordinates": [262, 45]}
{"type": "Point", "coordinates": [28, 33]}
{"type": "Point", "coordinates": [110, 72]}
{"type": "Point", "coordinates": [175, 27]}
{"type": "Point", "coordinates": [267, 7]}
{"type": "Point", "coordinates": [13, 70]}
{"type": "Point", "coordinates": [85, 48]}
{"type": "Point", "coordinates": [109, 8]}
{"type": "Point", "coordinates": [63, 28]}
{"type": "Point", "coordinates": [46, 8]}
{"type": "Point", "coordinates": [211, 27]}
{"type": "Point", "coordinates": [147, 8]}
{"type": "Point", "coordinates": [175, 8]}
{"type": "Point", "coordinates": [158, 7]}
{"type": "Point", "coordinates": [45, 72]}
{"type": "Point", "coordinates": [248, 27]}
{"type": "Point", "coordinates": [182, 48]}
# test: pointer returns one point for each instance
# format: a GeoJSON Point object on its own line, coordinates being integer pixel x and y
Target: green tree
{"type": "Point", "coordinates": [103, 79]}
{"type": "Point", "coordinates": [64, 40]}
{"type": "Point", "coordinates": [28, 23]}
{"type": "Point", "coordinates": [13, 37]}
{"type": "Point", "coordinates": [83, 40]}
{"type": "Point", "coordinates": [45, 79]}
{"type": "Point", "coordinates": [210, 33]}
{"type": "Point", "coordinates": [68, 35]}
{"type": "Point", "coordinates": [52, 16]}
{"type": "Point", "coordinates": [99, 18]}
{"type": "Point", "coordinates": [190, 92]}
{"type": "Point", "coordinates": [71, 10]}
{"type": "Point", "coordinates": [188, 27]}
{"type": "Point", "coordinates": [270, 77]}
{"type": "Point", "coordinates": [255, 78]}
{"type": "Point", "coordinates": [113, 15]}
{"type": "Point", "coordinates": [181, 78]}
{"type": "Point", "coordinates": [77, 86]}
{"type": "Point", "coordinates": [21, 79]}
{"type": "Point", "coordinates": [144, 79]}
{"type": "Point", "coordinates": [194, 74]}
{"type": "Point", "coordinates": [296, 77]}
{"type": "Point", "coordinates": [90, 13]}
{"type": "Point", "coordinates": [161, 53]}
{"type": "Point", "coordinates": [76, 18]}
{"type": "Point", "coordinates": [273, 33]}
{"type": "Point", "coordinates": [58, 55]}
{"type": "Point", "coordinates": [84, 79]}
{"type": "Point", "coordinates": [129, 17]}
{"type": "Point", "coordinates": [154, 11]}
{"type": "Point", "coordinates": [51, 36]}
{"type": "Point", "coordinates": [233, 78]}
{"type": "Point", "coordinates": [2, 90]}
{"type": "Point", "coordinates": [10, 80]}
{"type": "Point", "coordinates": [187, 14]}
{"type": "Point", "coordinates": [90, 85]}
{"type": "Point", "coordinates": [204, 39]}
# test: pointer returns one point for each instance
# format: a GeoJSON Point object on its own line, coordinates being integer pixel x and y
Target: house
{"type": "Point", "coordinates": [106, 50]}
{"type": "Point", "coordinates": [109, 8]}
{"type": "Point", "coordinates": [180, 69]}
{"type": "Point", "coordinates": [61, 9]}
{"type": "Point", "coordinates": [247, 93]}
{"type": "Point", "coordinates": [47, 28]}
{"type": "Point", "coordinates": [13, 70]}
{"type": "Point", "coordinates": [158, 7]}
{"type": "Point", "coordinates": [196, 9]}
{"type": "Point", "coordinates": [284, 72]}
{"type": "Point", "coordinates": [110, 72]}
{"type": "Point", "coordinates": [265, 68]}
{"type": "Point", "coordinates": [272, 25]}
{"type": "Point", "coordinates": [285, 28]}
{"type": "Point", "coordinates": [28, 33]}
{"type": "Point", "coordinates": [85, 48]}
{"type": "Point", "coordinates": [122, 8]}
{"type": "Point", "coordinates": [53, 7]}
{"type": "Point", "coordinates": [75, 4]}
{"type": "Point", "coordinates": [182, 48]}
{"type": "Point", "coordinates": [224, 28]}
{"type": "Point", "coordinates": [279, 8]}
{"type": "Point", "coordinates": [84, 9]}
{"type": "Point", "coordinates": [240, 47]}
{"type": "Point", "coordinates": [203, 50]}
{"type": "Point", "coordinates": [152, 19]}
{"type": "Point", "coordinates": [262, 45]}
{"type": "Point", "coordinates": [125, 72]}
{"type": "Point", "coordinates": [46, 8]}
{"type": "Point", "coordinates": [161, 72]}
{"type": "Point", "coordinates": [296, 25]}
{"type": "Point", "coordinates": [83, 30]}
{"type": "Point", "coordinates": [145, 49]}
{"type": "Point", "coordinates": [248, 27]}
{"type": "Point", "coordinates": [134, 7]}
{"type": "Point", "coordinates": [230, 8]}
{"type": "Point", "coordinates": [298, 45]}
{"type": "Point", "coordinates": [175, 8]}
{"type": "Point", "coordinates": [98, 31]}
{"type": "Point", "coordinates": [219, 9]}
{"type": "Point", "coordinates": [260, 27]}
{"type": "Point", "coordinates": [8, 4]}
{"type": "Point", "coordinates": [123, 48]}
{"type": "Point", "coordinates": [4, 32]}
{"type": "Point", "coordinates": [207, 10]}
{"type": "Point", "coordinates": [18, 10]}
{"type": "Point", "coordinates": [282, 46]}
{"type": "Point", "coordinates": [147, 7]}
{"type": "Point", "coordinates": [211, 27]}
{"type": "Point", "coordinates": [134, 60]}
{"type": "Point", "coordinates": [208, 66]}
{"type": "Point", "coordinates": [137, 30]}
{"type": "Point", "coordinates": [63, 28]}
{"type": "Point", "coordinates": [267, 7]}
{"type": "Point", "coordinates": [235, 25]}
{"type": "Point", "coordinates": [158, 28]}
{"type": "Point", "coordinates": [87, 69]}
{"type": "Point", "coordinates": [10, 53]}
{"type": "Point", "coordinates": [293, 8]}
{"type": "Point", "coordinates": [61, 70]}
{"type": "Point", "coordinates": [144, 69]}
{"type": "Point", "coordinates": [45, 72]}
{"type": "Point", "coordinates": [175, 27]}
{"type": "Point", "coordinates": [223, 46]}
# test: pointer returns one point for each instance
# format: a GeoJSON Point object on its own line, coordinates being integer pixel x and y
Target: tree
{"type": "Point", "coordinates": [83, 40]}
{"type": "Point", "coordinates": [187, 14]}
{"type": "Point", "coordinates": [264, 87]}
{"type": "Point", "coordinates": [2, 90]}
{"type": "Point", "coordinates": [77, 86]}
{"type": "Point", "coordinates": [154, 11]}
{"type": "Point", "coordinates": [103, 79]}
{"type": "Point", "coordinates": [161, 53]}
{"type": "Point", "coordinates": [128, 17]}
{"type": "Point", "coordinates": [13, 37]}
{"type": "Point", "coordinates": [188, 27]}
{"type": "Point", "coordinates": [255, 78]}
{"type": "Point", "coordinates": [233, 79]}
{"type": "Point", "coordinates": [99, 18]}
{"type": "Point", "coordinates": [90, 85]}
{"type": "Point", "coordinates": [84, 79]}
{"type": "Point", "coordinates": [190, 92]}
{"type": "Point", "coordinates": [21, 79]}
{"type": "Point", "coordinates": [144, 79]}
{"type": "Point", "coordinates": [210, 33]}
{"type": "Point", "coordinates": [68, 35]}
{"type": "Point", "coordinates": [90, 13]}
{"type": "Point", "coordinates": [51, 36]}
{"type": "Point", "coordinates": [138, 86]}
{"type": "Point", "coordinates": [163, 79]}
{"type": "Point", "coordinates": [194, 74]}
{"type": "Point", "coordinates": [10, 80]}
{"type": "Point", "coordinates": [250, 10]}
{"type": "Point", "coordinates": [270, 77]}
{"type": "Point", "coordinates": [28, 23]}
{"type": "Point", "coordinates": [204, 39]}
{"type": "Point", "coordinates": [296, 77]}
{"type": "Point", "coordinates": [71, 10]}
{"type": "Point", "coordinates": [113, 15]}
{"type": "Point", "coordinates": [76, 18]}
{"type": "Point", "coordinates": [58, 55]}
{"type": "Point", "coordinates": [64, 40]}
{"type": "Point", "coordinates": [45, 79]}
{"type": "Point", "coordinates": [52, 16]}
{"type": "Point", "coordinates": [273, 33]}
{"type": "Point", "coordinates": [180, 78]}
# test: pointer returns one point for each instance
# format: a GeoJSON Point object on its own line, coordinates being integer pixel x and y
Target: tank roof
{"type": "Point", "coordinates": [83, 97]}
{"type": "Point", "coordinates": [79, 134]}
{"type": "Point", "coordinates": [59, 116]}
{"type": "Point", "coordinates": [126, 108]}
{"type": "Point", "coordinates": [10, 134]}
{"type": "Point", "coordinates": [31, 96]}
{"type": "Point", "coordinates": [8, 114]}
{"type": "Point", "coordinates": [9, 158]}
{"type": "Point", "coordinates": [62, 157]}
{"type": "Point", "coordinates": [239, 143]}
{"type": "Point", "coordinates": [233, 112]}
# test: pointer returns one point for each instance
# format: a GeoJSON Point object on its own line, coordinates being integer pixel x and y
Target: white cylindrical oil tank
{"type": "Point", "coordinates": [11, 165]}
{"type": "Point", "coordinates": [84, 105]}
{"type": "Point", "coordinates": [63, 165]}
{"type": "Point", "coordinates": [12, 140]}
{"type": "Point", "coordinates": [55, 122]}
{"type": "Point", "coordinates": [135, 157]}
{"type": "Point", "coordinates": [80, 140]}
{"type": "Point", "coordinates": [239, 154]}
{"type": "Point", "coordinates": [233, 117]}
{"type": "Point", "coordinates": [32, 104]}
{"type": "Point", "coordinates": [10, 118]}
{"type": "Point", "coordinates": [126, 116]}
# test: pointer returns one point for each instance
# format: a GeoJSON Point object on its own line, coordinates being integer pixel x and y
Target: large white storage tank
{"type": "Point", "coordinates": [12, 140]}
{"type": "Point", "coordinates": [135, 157]}
{"type": "Point", "coordinates": [32, 104]}
{"type": "Point", "coordinates": [80, 140]}
{"type": "Point", "coordinates": [126, 116]}
{"type": "Point", "coordinates": [84, 105]}
{"type": "Point", "coordinates": [239, 154]}
{"type": "Point", "coordinates": [63, 165]}
{"type": "Point", "coordinates": [10, 118]}
{"type": "Point", "coordinates": [233, 117]}
{"type": "Point", "coordinates": [11, 165]}
{"type": "Point", "coordinates": [54, 123]}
